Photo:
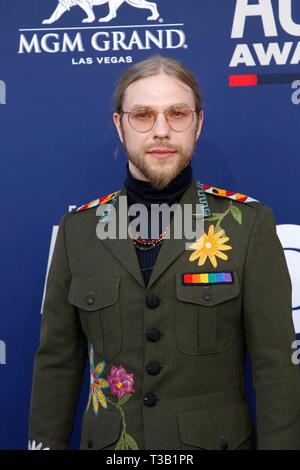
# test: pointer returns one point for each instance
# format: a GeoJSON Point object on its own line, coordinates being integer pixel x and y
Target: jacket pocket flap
{"type": "Point", "coordinates": [100, 431]}
{"type": "Point", "coordinates": [93, 293]}
{"type": "Point", "coordinates": [106, 430]}
{"type": "Point", "coordinates": [197, 293]}
{"type": "Point", "coordinates": [217, 428]}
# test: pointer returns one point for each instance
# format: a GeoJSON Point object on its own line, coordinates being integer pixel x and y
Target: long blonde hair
{"type": "Point", "coordinates": [154, 65]}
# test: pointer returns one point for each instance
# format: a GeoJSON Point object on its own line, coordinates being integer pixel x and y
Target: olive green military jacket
{"type": "Point", "coordinates": [167, 360]}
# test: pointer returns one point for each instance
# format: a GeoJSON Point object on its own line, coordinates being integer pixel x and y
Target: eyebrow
{"type": "Point", "coordinates": [151, 107]}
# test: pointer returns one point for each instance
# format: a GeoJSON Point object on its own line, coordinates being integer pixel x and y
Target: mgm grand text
{"type": "Point", "coordinates": [101, 41]}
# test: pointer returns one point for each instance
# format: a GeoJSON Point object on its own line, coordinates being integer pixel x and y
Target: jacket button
{"type": "Point", "coordinates": [223, 443]}
{"type": "Point", "coordinates": [150, 399]}
{"type": "Point", "coordinates": [206, 296]}
{"type": "Point", "coordinates": [153, 367]}
{"type": "Point", "coordinates": [90, 444]}
{"type": "Point", "coordinates": [89, 300]}
{"type": "Point", "coordinates": [153, 334]}
{"type": "Point", "coordinates": [152, 301]}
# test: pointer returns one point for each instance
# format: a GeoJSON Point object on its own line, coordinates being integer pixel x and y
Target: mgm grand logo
{"type": "Point", "coordinates": [154, 34]}
{"type": "Point", "coordinates": [87, 7]}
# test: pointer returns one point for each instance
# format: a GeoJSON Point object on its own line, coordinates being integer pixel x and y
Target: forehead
{"type": "Point", "coordinates": [158, 90]}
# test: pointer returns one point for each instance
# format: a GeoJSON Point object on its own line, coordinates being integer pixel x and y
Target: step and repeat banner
{"type": "Point", "coordinates": [60, 61]}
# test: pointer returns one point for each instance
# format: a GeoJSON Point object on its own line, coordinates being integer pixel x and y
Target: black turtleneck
{"type": "Point", "coordinates": [142, 192]}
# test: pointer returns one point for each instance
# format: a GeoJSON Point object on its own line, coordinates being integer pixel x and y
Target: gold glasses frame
{"type": "Point", "coordinates": [165, 112]}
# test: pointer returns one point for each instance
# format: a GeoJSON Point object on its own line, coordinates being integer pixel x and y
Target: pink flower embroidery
{"type": "Point", "coordinates": [121, 383]}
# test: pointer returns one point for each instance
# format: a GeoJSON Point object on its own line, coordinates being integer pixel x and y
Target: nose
{"type": "Point", "coordinates": [161, 127]}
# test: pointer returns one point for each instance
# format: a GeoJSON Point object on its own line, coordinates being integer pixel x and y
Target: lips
{"type": "Point", "coordinates": [162, 150]}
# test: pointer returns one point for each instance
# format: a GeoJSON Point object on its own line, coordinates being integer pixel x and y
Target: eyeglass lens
{"type": "Point", "coordinates": [179, 118]}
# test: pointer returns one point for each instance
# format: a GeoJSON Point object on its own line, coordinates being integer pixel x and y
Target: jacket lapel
{"type": "Point", "coordinates": [124, 249]}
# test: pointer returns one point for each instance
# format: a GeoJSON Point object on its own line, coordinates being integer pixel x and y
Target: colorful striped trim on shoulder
{"type": "Point", "coordinates": [229, 194]}
{"type": "Point", "coordinates": [96, 202]}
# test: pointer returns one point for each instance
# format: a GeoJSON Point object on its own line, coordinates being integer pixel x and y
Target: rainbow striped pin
{"type": "Point", "coordinates": [194, 279]}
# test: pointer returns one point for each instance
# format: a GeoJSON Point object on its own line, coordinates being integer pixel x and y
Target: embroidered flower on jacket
{"type": "Point", "coordinates": [232, 210]}
{"type": "Point", "coordinates": [32, 446]}
{"type": "Point", "coordinates": [121, 383]}
{"type": "Point", "coordinates": [97, 383]}
{"type": "Point", "coordinates": [210, 245]}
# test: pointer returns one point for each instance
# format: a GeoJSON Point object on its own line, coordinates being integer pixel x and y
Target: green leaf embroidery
{"type": "Point", "coordinates": [237, 214]}
{"type": "Point", "coordinates": [214, 217]}
{"type": "Point", "coordinates": [219, 216]}
{"type": "Point", "coordinates": [131, 443]}
{"type": "Point", "coordinates": [123, 400]}
{"type": "Point", "coordinates": [121, 444]}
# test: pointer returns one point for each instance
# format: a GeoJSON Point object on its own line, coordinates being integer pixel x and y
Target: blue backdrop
{"type": "Point", "coordinates": [58, 144]}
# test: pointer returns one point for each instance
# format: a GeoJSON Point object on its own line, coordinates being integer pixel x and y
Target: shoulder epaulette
{"type": "Point", "coordinates": [229, 194]}
{"type": "Point", "coordinates": [96, 202]}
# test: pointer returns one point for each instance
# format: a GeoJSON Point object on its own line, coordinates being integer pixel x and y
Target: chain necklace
{"type": "Point", "coordinates": [146, 244]}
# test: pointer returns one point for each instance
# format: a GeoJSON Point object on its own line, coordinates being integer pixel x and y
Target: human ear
{"type": "Point", "coordinates": [200, 117]}
{"type": "Point", "coordinates": [118, 124]}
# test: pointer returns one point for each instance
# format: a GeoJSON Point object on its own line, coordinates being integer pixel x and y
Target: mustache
{"type": "Point", "coordinates": [149, 148]}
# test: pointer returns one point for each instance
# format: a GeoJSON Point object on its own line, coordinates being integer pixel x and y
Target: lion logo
{"type": "Point", "coordinates": [87, 7]}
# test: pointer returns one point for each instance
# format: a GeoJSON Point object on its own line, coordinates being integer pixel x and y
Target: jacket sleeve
{"type": "Point", "coordinates": [269, 334]}
{"type": "Point", "coordinates": [60, 359]}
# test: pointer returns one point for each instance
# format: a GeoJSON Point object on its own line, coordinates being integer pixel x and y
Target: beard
{"type": "Point", "coordinates": [160, 172]}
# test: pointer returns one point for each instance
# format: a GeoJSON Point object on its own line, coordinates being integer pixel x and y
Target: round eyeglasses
{"type": "Point", "coordinates": [178, 117]}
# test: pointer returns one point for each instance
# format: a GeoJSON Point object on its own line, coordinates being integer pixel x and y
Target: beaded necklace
{"type": "Point", "coordinates": [146, 244]}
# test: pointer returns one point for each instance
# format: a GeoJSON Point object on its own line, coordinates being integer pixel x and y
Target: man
{"type": "Point", "coordinates": [166, 328]}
